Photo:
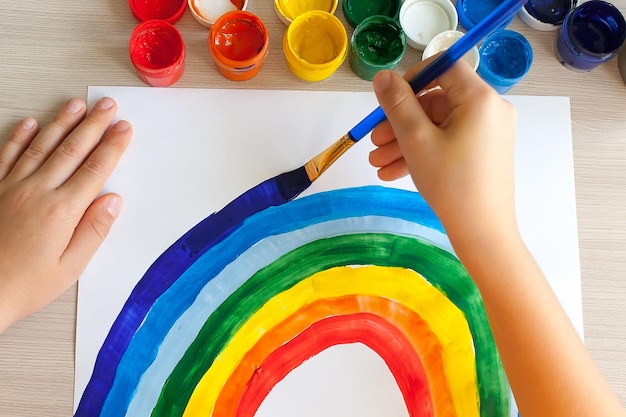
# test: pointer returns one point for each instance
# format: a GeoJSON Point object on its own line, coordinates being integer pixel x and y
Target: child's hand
{"type": "Point", "coordinates": [51, 218]}
{"type": "Point", "coordinates": [457, 142]}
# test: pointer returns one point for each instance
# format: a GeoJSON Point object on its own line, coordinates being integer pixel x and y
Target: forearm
{"type": "Point", "coordinates": [549, 369]}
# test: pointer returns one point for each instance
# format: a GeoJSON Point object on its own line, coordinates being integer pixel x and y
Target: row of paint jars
{"type": "Point", "coordinates": [238, 41]}
{"type": "Point", "coordinates": [382, 31]}
{"type": "Point", "coordinates": [315, 43]}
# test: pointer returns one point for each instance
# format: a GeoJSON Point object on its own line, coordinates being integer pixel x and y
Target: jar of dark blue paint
{"type": "Point", "coordinates": [505, 58]}
{"type": "Point", "coordinates": [471, 12]}
{"type": "Point", "coordinates": [591, 34]}
{"type": "Point", "coordinates": [546, 15]}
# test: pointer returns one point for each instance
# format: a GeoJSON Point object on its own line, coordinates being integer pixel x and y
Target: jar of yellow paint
{"type": "Point", "coordinates": [287, 10]}
{"type": "Point", "coordinates": [315, 45]}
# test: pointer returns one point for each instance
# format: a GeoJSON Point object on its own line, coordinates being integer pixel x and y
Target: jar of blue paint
{"type": "Point", "coordinates": [546, 15]}
{"type": "Point", "coordinates": [505, 58]}
{"type": "Point", "coordinates": [471, 12]}
{"type": "Point", "coordinates": [591, 34]}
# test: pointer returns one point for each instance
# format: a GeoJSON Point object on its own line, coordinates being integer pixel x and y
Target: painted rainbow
{"type": "Point", "coordinates": [214, 336]}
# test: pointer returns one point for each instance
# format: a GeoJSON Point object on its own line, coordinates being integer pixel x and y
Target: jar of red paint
{"type": "Point", "coordinates": [157, 52]}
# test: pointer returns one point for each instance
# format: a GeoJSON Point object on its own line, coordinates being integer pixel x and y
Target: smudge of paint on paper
{"type": "Point", "coordinates": [406, 236]}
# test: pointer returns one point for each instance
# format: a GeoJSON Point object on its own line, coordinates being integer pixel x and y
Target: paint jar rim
{"type": "Point", "coordinates": [468, 16]}
{"type": "Point", "coordinates": [287, 17]}
{"type": "Point", "coordinates": [157, 75]}
{"type": "Point", "coordinates": [304, 69]}
{"type": "Point", "coordinates": [539, 21]}
{"type": "Point", "coordinates": [444, 40]}
{"type": "Point", "coordinates": [353, 19]}
{"type": "Point", "coordinates": [445, 6]}
{"type": "Point", "coordinates": [360, 64]}
{"type": "Point", "coordinates": [233, 69]}
{"type": "Point", "coordinates": [486, 70]}
{"type": "Point", "coordinates": [143, 15]}
{"type": "Point", "coordinates": [593, 6]}
{"type": "Point", "coordinates": [206, 21]}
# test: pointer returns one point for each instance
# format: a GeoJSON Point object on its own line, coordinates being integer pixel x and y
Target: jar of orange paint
{"type": "Point", "coordinates": [238, 43]}
{"type": "Point", "coordinates": [315, 45]}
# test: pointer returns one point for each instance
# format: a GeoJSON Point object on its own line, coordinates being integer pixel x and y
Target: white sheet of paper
{"type": "Point", "coordinates": [193, 151]}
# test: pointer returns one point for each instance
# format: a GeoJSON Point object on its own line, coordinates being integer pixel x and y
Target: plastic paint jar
{"type": "Point", "coordinates": [157, 52]}
{"type": "Point", "coordinates": [377, 43]}
{"type": "Point", "coordinates": [169, 10]}
{"type": "Point", "coordinates": [315, 45]}
{"type": "Point", "coordinates": [206, 12]}
{"type": "Point", "coordinates": [238, 43]}
{"type": "Point", "coordinates": [473, 11]}
{"type": "Point", "coordinates": [505, 58]}
{"type": "Point", "coordinates": [355, 11]}
{"type": "Point", "coordinates": [591, 34]}
{"type": "Point", "coordinates": [422, 20]}
{"type": "Point", "coordinates": [287, 10]}
{"type": "Point", "coordinates": [445, 40]}
{"type": "Point", "coordinates": [546, 15]}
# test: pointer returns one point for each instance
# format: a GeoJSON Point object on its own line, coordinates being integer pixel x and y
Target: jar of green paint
{"type": "Point", "coordinates": [377, 43]}
{"type": "Point", "coordinates": [355, 11]}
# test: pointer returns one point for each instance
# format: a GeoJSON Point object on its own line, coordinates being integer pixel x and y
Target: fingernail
{"type": "Point", "coordinates": [74, 105]}
{"type": "Point", "coordinates": [28, 123]}
{"type": "Point", "coordinates": [105, 103]}
{"type": "Point", "coordinates": [113, 206]}
{"type": "Point", "coordinates": [381, 81]}
{"type": "Point", "coordinates": [122, 126]}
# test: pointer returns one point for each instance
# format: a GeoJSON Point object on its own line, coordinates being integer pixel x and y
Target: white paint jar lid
{"type": "Point", "coordinates": [445, 40]}
{"type": "Point", "coordinates": [422, 20]}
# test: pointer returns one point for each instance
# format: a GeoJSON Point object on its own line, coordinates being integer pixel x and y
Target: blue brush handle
{"type": "Point", "coordinates": [493, 21]}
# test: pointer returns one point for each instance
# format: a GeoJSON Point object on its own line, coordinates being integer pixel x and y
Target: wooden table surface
{"type": "Point", "coordinates": [52, 50]}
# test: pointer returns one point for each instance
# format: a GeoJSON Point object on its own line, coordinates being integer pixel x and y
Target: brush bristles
{"type": "Point", "coordinates": [320, 163]}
